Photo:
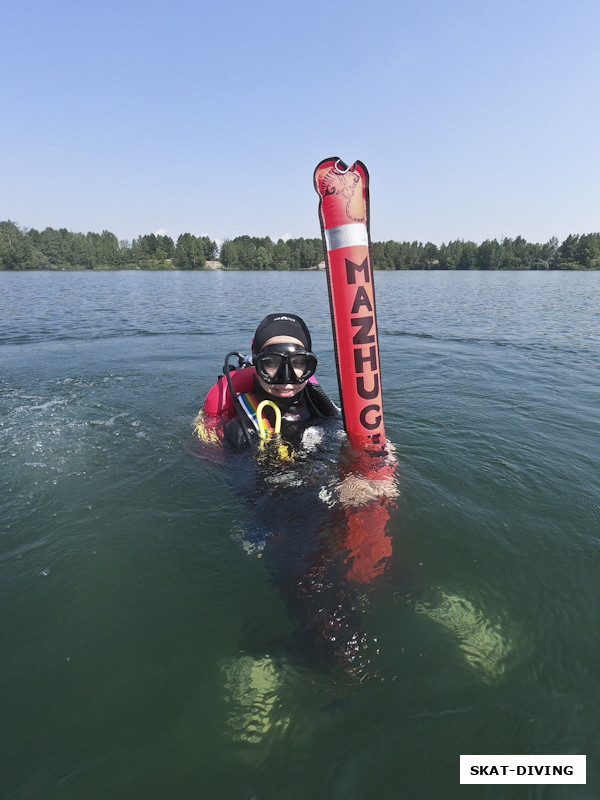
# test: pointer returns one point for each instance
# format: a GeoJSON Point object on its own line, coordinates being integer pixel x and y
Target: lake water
{"type": "Point", "coordinates": [145, 644]}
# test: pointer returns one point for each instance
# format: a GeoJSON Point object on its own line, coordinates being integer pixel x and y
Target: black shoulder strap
{"type": "Point", "coordinates": [319, 402]}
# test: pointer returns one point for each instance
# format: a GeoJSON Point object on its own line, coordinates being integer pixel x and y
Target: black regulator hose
{"type": "Point", "coordinates": [236, 403]}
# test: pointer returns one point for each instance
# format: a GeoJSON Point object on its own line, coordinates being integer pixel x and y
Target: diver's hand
{"type": "Point", "coordinates": [356, 490]}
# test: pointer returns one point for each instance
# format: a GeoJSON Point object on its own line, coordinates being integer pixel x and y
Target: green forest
{"type": "Point", "coordinates": [29, 249]}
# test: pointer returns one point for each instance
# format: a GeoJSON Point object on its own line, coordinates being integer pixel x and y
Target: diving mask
{"type": "Point", "coordinates": [285, 363]}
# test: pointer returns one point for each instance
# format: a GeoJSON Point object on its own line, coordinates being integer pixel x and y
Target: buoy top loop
{"type": "Point", "coordinates": [338, 169]}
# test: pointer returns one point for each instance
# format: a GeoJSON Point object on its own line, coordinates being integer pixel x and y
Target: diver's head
{"type": "Point", "coordinates": [281, 353]}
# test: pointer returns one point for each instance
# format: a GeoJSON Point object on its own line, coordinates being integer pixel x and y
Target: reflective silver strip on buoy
{"type": "Point", "coordinates": [352, 235]}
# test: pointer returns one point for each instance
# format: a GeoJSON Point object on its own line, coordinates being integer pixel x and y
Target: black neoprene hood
{"type": "Point", "coordinates": [281, 325]}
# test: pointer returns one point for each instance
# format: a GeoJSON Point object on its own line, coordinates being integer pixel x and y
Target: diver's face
{"type": "Point", "coordinates": [283, 390]}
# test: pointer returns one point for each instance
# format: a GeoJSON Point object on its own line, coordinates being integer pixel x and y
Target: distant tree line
{"type": "Point", "coordinates": [249, 252]}
{"type": "Point", "coordinates": [60, 249]}
{"type": "Point", "coordinates": [576, 252]}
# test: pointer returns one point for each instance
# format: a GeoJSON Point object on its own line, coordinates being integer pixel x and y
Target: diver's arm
{"type": "Point", "coordinates": [369, 478]}
{"type": "Point", "coordinates": [356, 490]}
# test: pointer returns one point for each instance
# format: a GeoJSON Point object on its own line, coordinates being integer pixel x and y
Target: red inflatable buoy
{"type": "Point", "coordinates": [344, 214]}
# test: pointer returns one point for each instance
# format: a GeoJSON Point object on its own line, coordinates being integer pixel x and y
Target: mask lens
{"type": "Point", "coordinates": [298, 364]}
{"type": "Point", "coordinates": [270, 365]}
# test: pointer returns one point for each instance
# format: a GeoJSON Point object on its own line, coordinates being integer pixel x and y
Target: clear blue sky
{"type": "Point", "coordinates": [476, 118]}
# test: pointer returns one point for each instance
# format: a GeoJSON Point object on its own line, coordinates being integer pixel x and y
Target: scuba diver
{"type": "Point", "coordinates": [280, 434]}
{"type": "Point", "coordinates": [284, 363]}
{"type": "Point", "coordinates": [283, 383]}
